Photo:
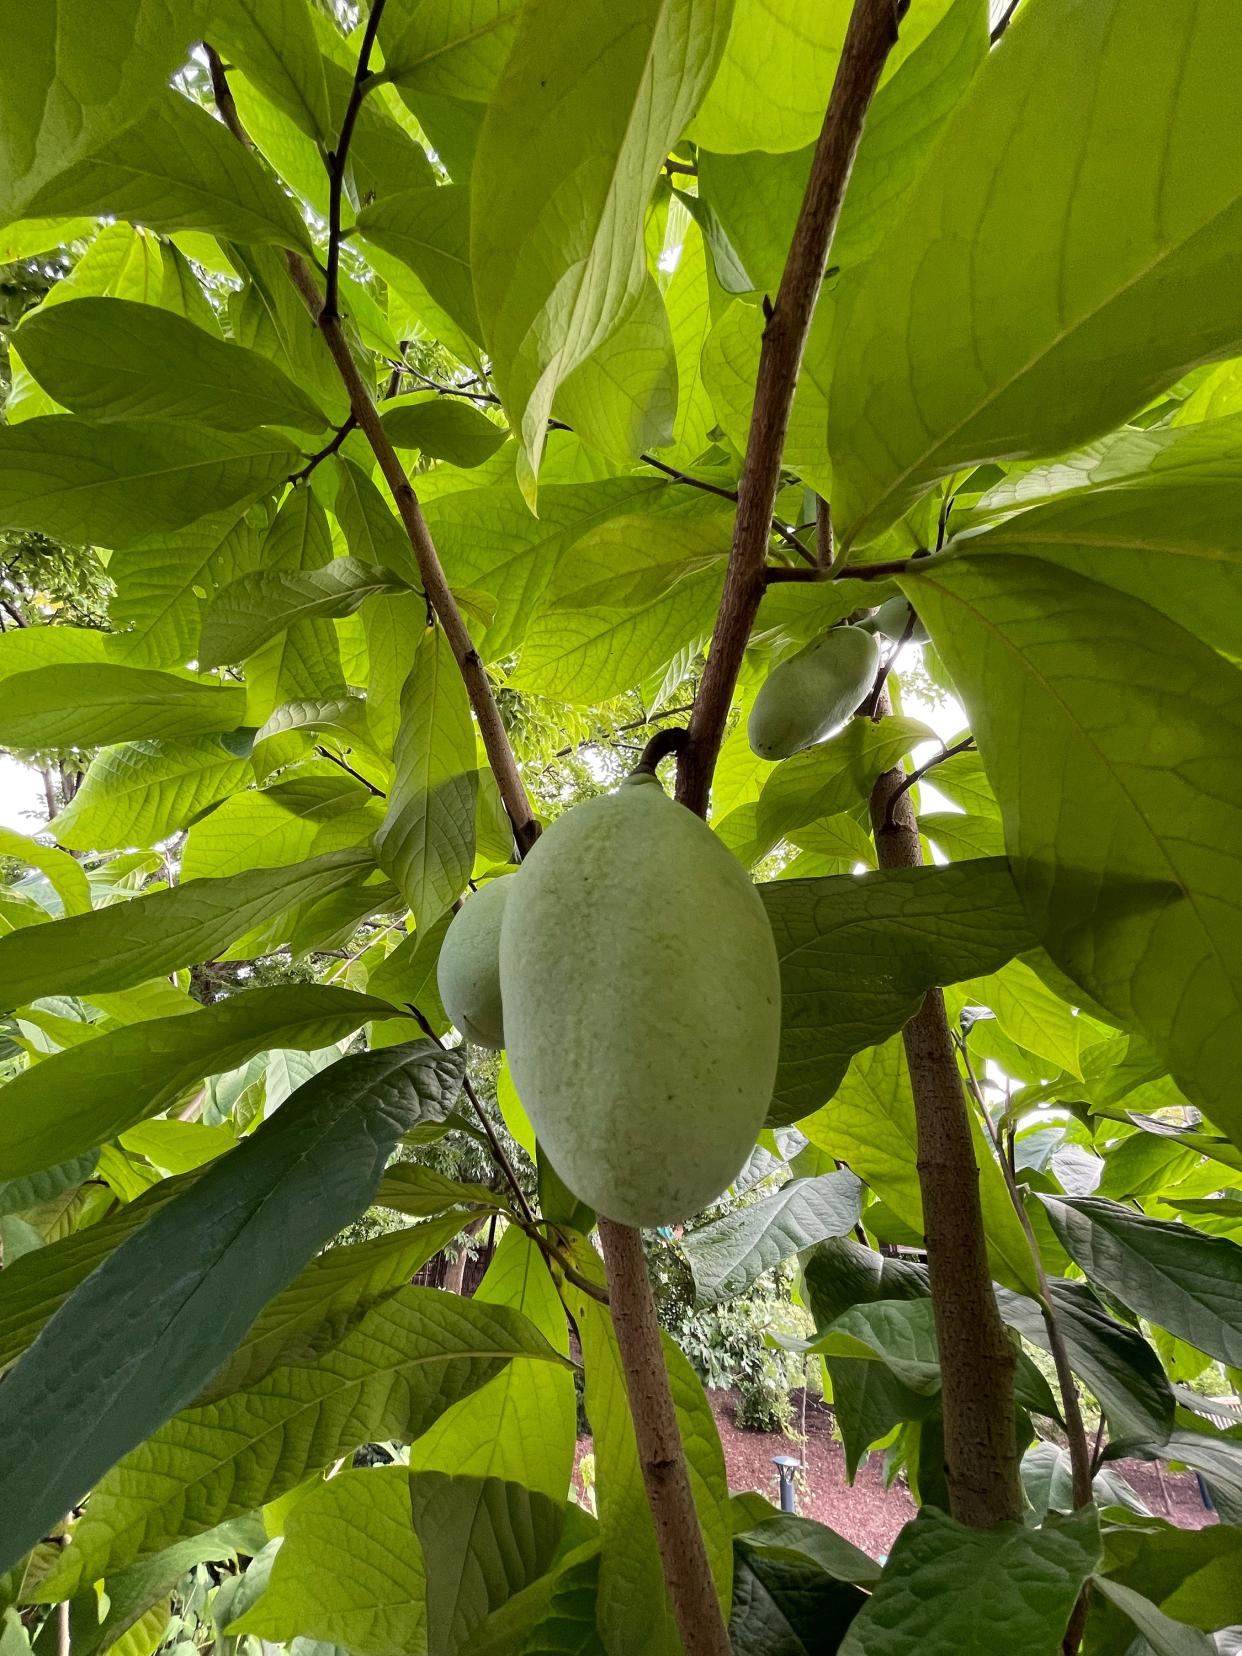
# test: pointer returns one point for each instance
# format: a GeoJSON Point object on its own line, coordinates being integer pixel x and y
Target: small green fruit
{"type": "Point", "coordinates": [642, 1005]}
{"type": "Point", "coordinates": [813, 692]}
{"type": "Point", "coordinates": [468, 971]}
{"type": "Point", "coordinates": [891, 618]}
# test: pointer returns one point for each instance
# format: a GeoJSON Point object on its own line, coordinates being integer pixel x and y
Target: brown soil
{"type": "Point", "coordinates": [870, 1515]}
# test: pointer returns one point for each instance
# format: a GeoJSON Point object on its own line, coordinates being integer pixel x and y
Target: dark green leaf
{"type": "Point", "coordinates": [858, 955]}
{"type": "Point", "coordinates": [444, 428]}
{"type": "Point", "coordinates": [16, 1195]}
{"type": "Point", "coordinates": [784, 1605]}
{"type": "Point", "coordinates": [127, 943]}
{"type": "Point", "coordinates": [1164, 1636]}
{"type": "Point", "coordinates": [728, 1254]}
{"type": "Point", "coordinates": [1171, 1274]}
{"type": "Point", "coordinates": [139, 1338]}
{"type": "Point", "coordinates": [115, 360]}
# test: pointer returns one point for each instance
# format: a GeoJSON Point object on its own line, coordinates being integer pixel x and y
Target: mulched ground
{"type": "Point", "coordinates": [868, 1514]}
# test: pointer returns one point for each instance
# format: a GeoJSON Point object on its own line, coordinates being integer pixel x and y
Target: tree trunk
{"type": "Point", "coordinates": [976, 1358]}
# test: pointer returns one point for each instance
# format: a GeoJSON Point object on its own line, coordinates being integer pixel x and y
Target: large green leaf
{"type": "Point", "coordinates": [444, 428]}
{"type": "Point", "coordinates": [427, 839]}
{"type": "Point", "coordinates": [127, 943]}
{"type": "Point", "coordinates": [1046, 278]}
{"type": "Point", "coordinates": [625, 600]}
{"type": "Point", "coordinates": [1121, 804]}
{"type": "Point", "coordinates": [137, 1340]}
{"type": "Point", "coordinates": [16, 1195]}
{"type": "Point", "coordinates": [391, 1376]}
{"type": "Point", "coordinates": [858, 954]}
{"type": "Point", "coordinates": [62, 872]}
{"type": "Point", "coordinates": [1169, 539]}
{"type": "Point", "coordinates": [273, 43]}
{"type": "Point", "coordinates": [784, 1601]}
{"type": "Point", "coordinates": [117, 483]}
{"type": "Point", "coordinates": [1172, 1274]}
{"type": "Point", "coordinates": [350, 1571]}
{"type": "Point", "coordinates": [456, 49]}
{"type": "Point", "coordinates": [483, 1540]}
{"type": "Point", "coordinates": [556, 1615]}
{"type": "Point", "coordinates": [520, 1427]}
{"type": "Point", "coordinates": [428, 229]}
{"type": "Point", "coordinates": [583, 115]}
{"type": "Point", "coordinates": [161, 583]}
{"type": "Point", "coordinates": [1162, 1635]}
{"type": "Point", "coordinates": [728, 1254]}
{"type": "Point", "coordinates": [83, 705]}
{"type": "Point", "coordinates": [73, 73]}
{"type": "Point", "coordinates": [142, 792]}
{"type": "Point", "coordinates": [246, 614]}
{"type": "Point", "coordinates": [948, 1589]}
{"type": "Point", "coordinates": [68, 1103]}
{"type": "Point", "coordinates": [623, 398]}
{"type": "Point", "coordinates": [1124, 1373]}
{"type": "Point", "coordinates": [114, 360]}
{"type": "Point", "coordinates": [176, 168]}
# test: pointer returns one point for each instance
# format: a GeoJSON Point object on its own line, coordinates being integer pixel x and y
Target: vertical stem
{"type": "Point", "coordinates": [661, 1456]}
{"type": "Point", "coordinates": [871, 35]}
{"type": "Point", "coordinates": [976, 1359]}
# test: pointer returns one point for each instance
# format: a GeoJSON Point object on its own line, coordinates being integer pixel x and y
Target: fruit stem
{"type": "Point", "coordinates": [661, 746]}
{"type": "Point", "coordinates": [661, 1454]}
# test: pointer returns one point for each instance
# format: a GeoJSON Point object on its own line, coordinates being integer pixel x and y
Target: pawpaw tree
{"type": "Point", "coordinates": [447, 396]}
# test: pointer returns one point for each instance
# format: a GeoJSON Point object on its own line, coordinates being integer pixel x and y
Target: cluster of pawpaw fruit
{"type": "Point", "coordinates": [630, 972]}
{"type": "Point", "coordinates": [812, 694]}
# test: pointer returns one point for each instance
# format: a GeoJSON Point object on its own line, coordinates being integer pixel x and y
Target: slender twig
{"type": "Point", "coordinates": [1071, 1410]}
{"type": "Point", "coordinates": [1097, 1453]}
{"type": "Point", "coordinates": [878, 571]}
{"type": "Point", "coordinates": [870, 36]}
{"type": "Point", "coordinates": [1003, 22]}
{"type": "Point", "coordinates": [671, 166]}
{"type": "Point", "coordinates": [553, 1255]}
{"type": "Point", "coordinates": [634, 724]}
{"type": "Point", "coordinates": [337, 159]}
{"type": "Point", "coordinates": [777, 573]}
{"type": "Point", "coordinates": [335, 759]}
{"type": "Point", "coordinates": [916, 776]}
{"type": "Point", "coordinates": [825, 542]}
{"type": "Point", "coordinates": [874, 704]}
{"type": "Point", "coordinates": [347, 425]}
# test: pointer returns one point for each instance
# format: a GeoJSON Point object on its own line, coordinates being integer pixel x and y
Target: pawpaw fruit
{"type": "Point", "coordinates": [891, 618]}
{"type": "Point", "coordinates": [813, 692]}
{"type": "Point", "coordinates": [642, 1004]}
{"type": "Point", "coordinates": [468, 970]}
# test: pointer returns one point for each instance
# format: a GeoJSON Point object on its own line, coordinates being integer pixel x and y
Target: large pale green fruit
{"type": "Point", "coordinates": [642, 1005]}
{"type": "Point", "coordinates": [813, 692]}
{"type": "Point", "coordinates": [468, 971]}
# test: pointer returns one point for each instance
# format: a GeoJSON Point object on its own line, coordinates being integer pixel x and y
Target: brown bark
{"type": "Point", "coordinates": [976, 1358]}
{"type": "Point", "coordinates": [661, 1456]}
{"type": "Point", "coordinates": [871, 35]}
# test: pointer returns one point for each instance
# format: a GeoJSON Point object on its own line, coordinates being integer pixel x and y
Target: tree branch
{"type": "Point", "coordinates": [439, 596]}
{"type": "Point", "coordinates": [338, 159]}
{"type": "Point", "coordinates": [870, 37]}
{"type": "Point", "coordinates": [660, 1452]}
{"type": "Point", "coordinates": [913, 778]}
{"type": "Point", "coordinates": [1080, 1454]}
{"type": "Point", "coordinates": [347, 425]}
{"type": "Point", "coordinates": [335, 759]}
{"type": "Point", "coordinates": [976, 1359]}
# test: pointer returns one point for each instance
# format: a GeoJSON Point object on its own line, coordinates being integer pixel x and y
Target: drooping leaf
{"type": "Point", "coordinates": [391, 1376]}
{"type": "Point", "coordinates": [350, 1571]}
{"type": "Point", "coordinates": [623, 398]}
{"type": "Point", "coordinates": [274, 45]}
{"type": "Point", "coordinates": [427, 839]}
{"type": "Point", "coordinates": [483, 1540]}
{"type": "Point", "coordinates": [111, 359]}
{"type": "Point", "coordinates": [73, 73]}
{"type": "Point", "coordinates": [249, 612]}
{"type": "Point", "coordinates": [141, 792]}
{"type": "Point", "coordinates": [783, 1601]}
{"type": "Point", "coordinates": [87, 1094]}
{"type": "Point", "coordinates": [1117, 824]}
{"type": "Point", "coordinates": [444, 428]}
{"type": "Point", "coordinates": [174, 169]}
{"type": "Point", "coordinates": [1071, 310]}
{"type": "Point", "coordinates": [947, 1588]}
{"type": "Point", "coordinates": [1163, 1635]}
{"type": "Point", "coordinates": [62, 872]}
{"type": "Point", "coordinates": [115, 484]}
{"type": "Point", "coordinates": [729, 1253]}
{"type": "Point", "coordinates": [117, 947]}
{"type": "Point", "coordinates": [1172, 1274]}
{"type": "Point", "coordinates": [84, 705]}
{"type": "Point", "coordinates": [858, 955]}
{"type": "Point", "coordinates": [191, 1282]}
{"type": "Point", "coordinates": [574, 135]}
